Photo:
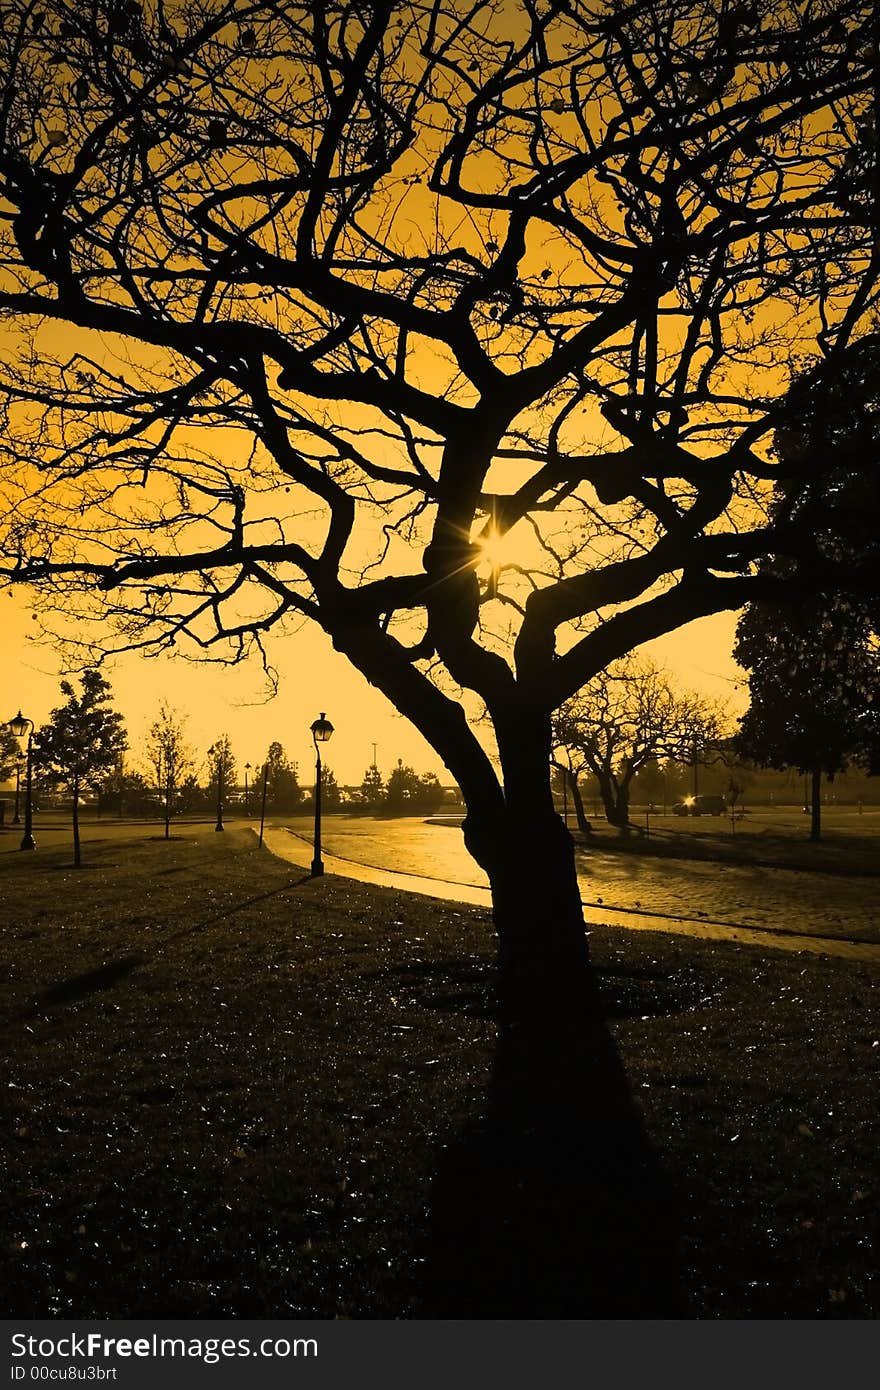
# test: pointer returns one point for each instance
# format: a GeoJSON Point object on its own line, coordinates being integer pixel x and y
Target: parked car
{"type": "Point", "coordinates": [700, 806]}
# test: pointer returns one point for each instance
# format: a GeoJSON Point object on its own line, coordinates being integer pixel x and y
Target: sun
{"type": "Point", "coordinates": [495, 549]}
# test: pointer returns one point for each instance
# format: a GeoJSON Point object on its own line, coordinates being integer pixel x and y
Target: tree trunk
{"type": "Point", "coordinates": [552, 1204]}
{"type": "Point", "coordinates": [577, 801]}
{"type": "Point", "coordinates": [816, 804]}
{"type": "Point", "coordinates": [167, 810]}
{"type": "Point", "coordinates": [614, 802]}
{"type": "Point", "coordinates": [77, 855]}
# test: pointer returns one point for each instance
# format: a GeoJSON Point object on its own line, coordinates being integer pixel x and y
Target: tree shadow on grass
{"type": "Point", "coordinates": [104, 977]}
{"type": "Point", "coordinates": [79, 987]}
{"type": "Point", "coordinates": [238, 907]}
{"type": "Point", "coordinates": [553, 1203]}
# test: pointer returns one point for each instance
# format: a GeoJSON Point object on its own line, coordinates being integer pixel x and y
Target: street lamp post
{"type": "Point", "coordinates": [247, 768]}
{"type": "Point", "coordinates": [16, 819]}
{"type": "Point", "coordinates": [321, 731]}
{"type": "Point", "coordinates": [18, 726]}
{"type": "Point", "coordinates": [263, 802]}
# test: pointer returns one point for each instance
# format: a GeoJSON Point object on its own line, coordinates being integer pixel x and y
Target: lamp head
{"type": "Point", "coordinates": [19, 725]}
{"type": "Point", "coordinates": [322, 729]}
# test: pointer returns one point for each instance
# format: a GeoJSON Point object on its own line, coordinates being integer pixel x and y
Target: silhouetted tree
{"type": "Point", "coordinates": [169, 756]}
{"type": "Point", "coordinates": [331, 796]}
{"type": "Point", "coordinates": [10, 752]}
{"type": "Point", "coordinates": [373, 789]}
{"type": "Point", "coordinates": [222, 775]}
{"type": "Point", "coordinates": [283, 792]}
{"type": "Point", "coordinates": [126, 792]}
{"type": "Point", "coordinates": [625, 719]}
{"type": "Point", "coordinates": [191, 795]}
{"type": "Point", "coordinates": [81, 742]}
{"type": "Point", "coordinates": [429, 793]}
{"type": "Point", "coordinates": [402, 789]}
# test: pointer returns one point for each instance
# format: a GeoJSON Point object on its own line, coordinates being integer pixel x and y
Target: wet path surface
{"type": "Point", "coordinates": [792, 909]}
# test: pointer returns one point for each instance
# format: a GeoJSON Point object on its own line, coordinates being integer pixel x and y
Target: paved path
{"type": "Point", "coordinates": [288, 844]}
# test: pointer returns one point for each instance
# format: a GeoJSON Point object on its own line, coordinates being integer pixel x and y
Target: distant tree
{"type": "Point", "coordinates": [625, 719]}
{"type": "Point", "coordinates": [283, 791]}
{"type": "Point", "coordinates": [373, 789]}
{"type": "Point", "coordinates": [429, 793]}
{"type": "Point", "coordinates": [222, 773]}
{"type": "Point", "coordinates": [81, 742]}
{"type": "Point", "coordinates": [814, 689]}
{"type": "Point", "coordinates": [111, 793]}
{"type": "Point", "coordinates": [331, 796]}
{"type": "Point", "coordinates": [10, 752]}
{"type": "Point", "coordinates": [191, 795]}
{"type": "Point", "coordinates": [650, 782]}
{"type": "Point", "coordinates": [571, 762]}
{"type": "Point", "coordinates": [169, 755]}
{"type": "Point", "coordinates": [126, 792]}
{"type": "Point", "coordinates": [402, 791]}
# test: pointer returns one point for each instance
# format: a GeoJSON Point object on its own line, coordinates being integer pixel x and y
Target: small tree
{"type": "Point", "coordinates": [331, 797]}
{"type": "Point", "coordinates": [429, 792]}
{"type": "Point", "coordinates": [403, 789]}
{"type": "Point", "coordinates": [283, 791]}
{"type": "Point", "coordinates": [81, 742]}
{"type": "Point", "coordinates": [125, 792]}
{"type": "Point", "coordinates": [624, 720]}
{"type": "Point", "coordinates": [191, 795]}
{"type": "Point", "coordinates": [373, 789]}
{"type": "Point", "coordinates": [169, 756]}
{"type": "Point", "coordinates": [223, 773]}
{"type": "Point", "coordinates": [10, 752]}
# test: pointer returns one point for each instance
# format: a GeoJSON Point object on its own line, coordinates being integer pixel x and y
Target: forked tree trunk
{"type": "Point", "coordinates": [816, 804]}
{"type": "Point", "coordinates": [553, 1204]}
{"type": "Point", "coordinates": [615, 803]}
{"type": "Point", "coordinates": [77, 855]}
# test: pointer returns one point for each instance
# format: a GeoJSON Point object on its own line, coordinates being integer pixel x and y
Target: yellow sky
{"type": "Point", "coordinates": [312, 678]}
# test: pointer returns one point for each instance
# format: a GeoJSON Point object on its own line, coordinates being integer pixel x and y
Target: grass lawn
{"type": "Point", "coordinates": [777, 837]}
{"type": "Point", "coordinates": [229, 1088]}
